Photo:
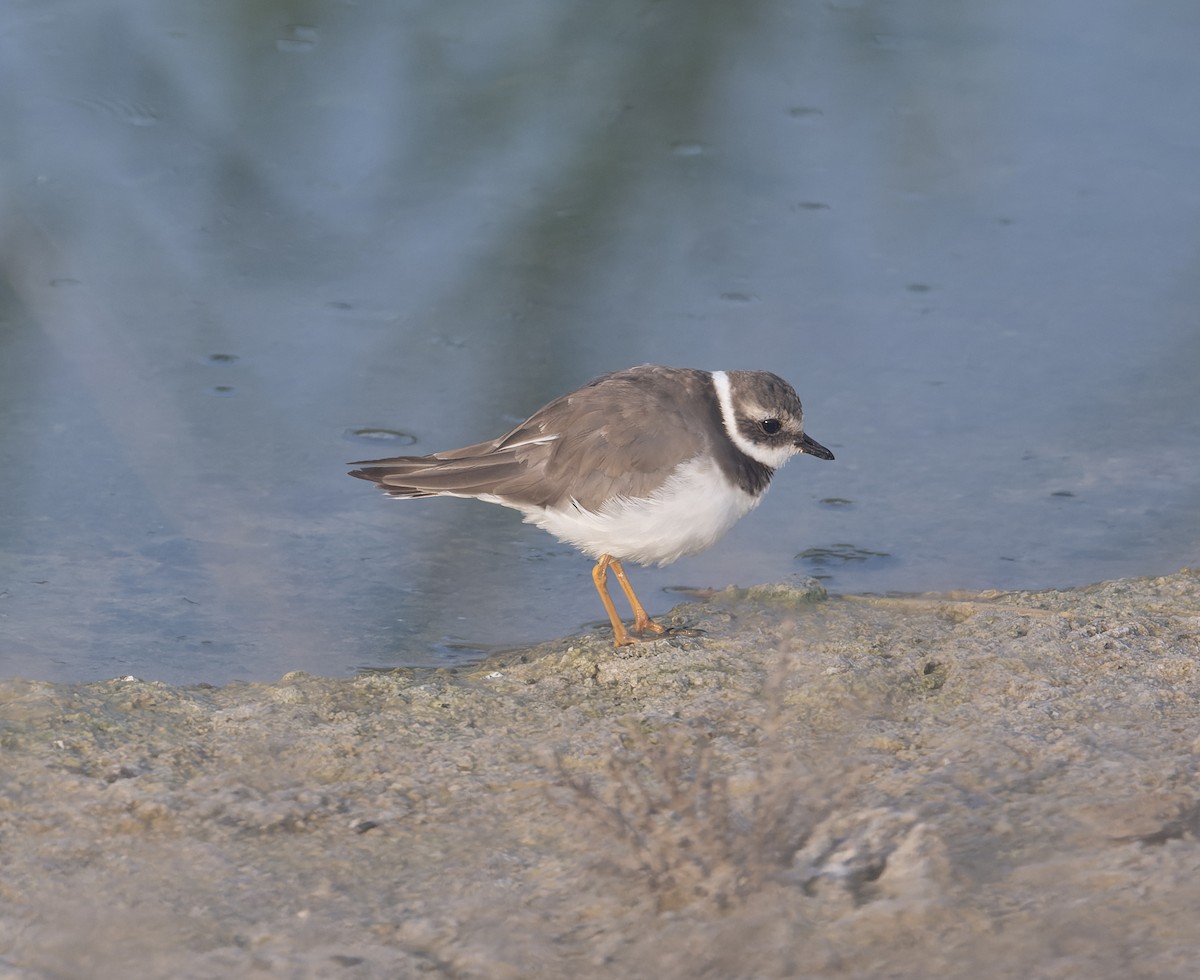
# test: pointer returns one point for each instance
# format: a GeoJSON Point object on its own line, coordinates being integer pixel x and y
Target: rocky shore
{"type": "Point", "coordinates": [994, 785]}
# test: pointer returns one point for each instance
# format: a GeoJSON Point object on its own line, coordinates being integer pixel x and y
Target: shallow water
{"type": "Point", "coordinates": [231, 243]}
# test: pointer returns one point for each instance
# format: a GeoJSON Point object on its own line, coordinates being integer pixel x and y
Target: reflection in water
{"type": "Point", "coordinates": [962, 237]}
{"type": "Point", "coordinates": [838, 554]}
{"type": "Point", "coordinates": [380, 437]}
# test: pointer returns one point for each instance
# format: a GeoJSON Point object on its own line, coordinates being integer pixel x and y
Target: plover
{"type": "Point", "coordinates": [647, 465]}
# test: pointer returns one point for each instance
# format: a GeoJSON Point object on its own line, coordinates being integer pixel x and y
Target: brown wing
{"type": "Point", "coordinates": [621, 434]}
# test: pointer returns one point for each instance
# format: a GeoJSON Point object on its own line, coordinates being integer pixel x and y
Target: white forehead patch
{"type": "Point", "coordinates": [772, 456]}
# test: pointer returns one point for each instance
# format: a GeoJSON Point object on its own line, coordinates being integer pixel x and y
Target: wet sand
{"type": "Point", "coordinates": [996, 785]}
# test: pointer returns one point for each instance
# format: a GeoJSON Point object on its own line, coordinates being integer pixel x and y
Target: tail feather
{"type": "Point", "coordinates": [426, 476]}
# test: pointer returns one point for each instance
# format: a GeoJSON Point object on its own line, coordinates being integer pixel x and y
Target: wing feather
{"type": "Point", "coordinates": [620, 435]}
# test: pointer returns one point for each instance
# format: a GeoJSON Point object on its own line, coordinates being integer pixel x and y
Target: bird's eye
{"type": "Point", "coordinates": [770, 426]}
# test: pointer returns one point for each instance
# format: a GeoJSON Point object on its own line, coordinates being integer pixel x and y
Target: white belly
{"type": "Point", "coordinates": [687, 514]}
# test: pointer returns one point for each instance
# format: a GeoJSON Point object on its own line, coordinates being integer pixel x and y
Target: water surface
{"type": "Point", "coordinates": [238, 250]}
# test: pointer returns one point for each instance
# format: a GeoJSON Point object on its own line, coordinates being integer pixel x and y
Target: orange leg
{"type": "Point", "coordinates": [600, 577]}
{"type": "Point", "coordinates": [641, 621]}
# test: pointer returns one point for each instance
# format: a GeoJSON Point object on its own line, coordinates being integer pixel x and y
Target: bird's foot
{"type": "Point", "coordinates": [643, 623]}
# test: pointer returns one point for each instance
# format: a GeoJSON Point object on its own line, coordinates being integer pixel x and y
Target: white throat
{"type": "Point", "coordinates": [772, 456]}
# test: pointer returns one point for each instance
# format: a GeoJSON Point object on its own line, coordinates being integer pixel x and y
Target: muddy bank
{"type": "Point", "coordinates": [998, 784]}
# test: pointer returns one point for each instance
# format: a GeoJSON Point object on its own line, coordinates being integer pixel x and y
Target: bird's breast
{"type": "Point", "coordinates": [694, 507]}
